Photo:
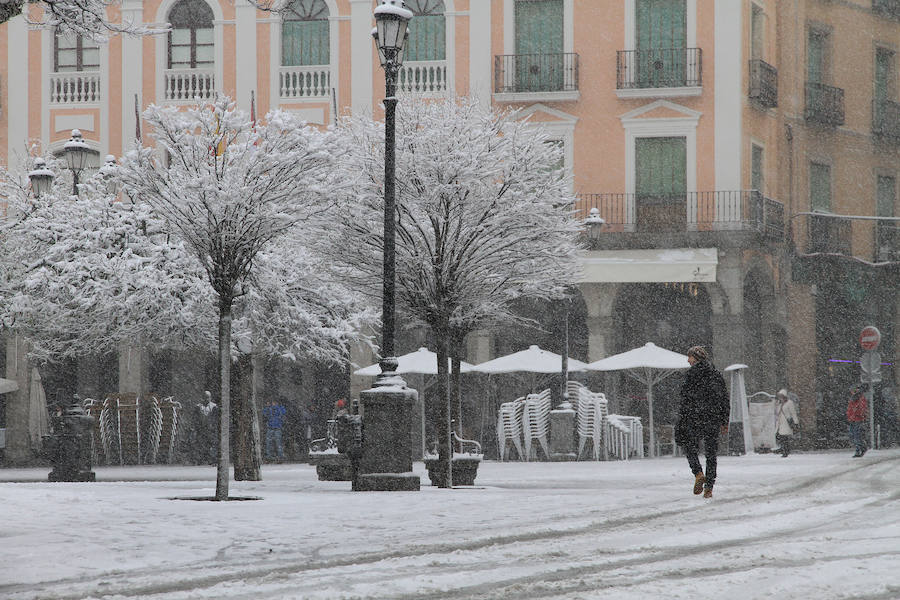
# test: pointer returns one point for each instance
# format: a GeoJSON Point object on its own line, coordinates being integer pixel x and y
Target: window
{"type": "Point", "coordinates": [74, 53]}
{"type": "Point", "coordinates": [661, 182]}
{"type": "Point", "coordinates": [539, 45]}
{"type": "Point", "coordinates": [191, 44]}
{"type": "Point", "coordinates": [816, 56]}
{"type": "Point", "coordinates": [820, 187]}
{"type": "Point", "coordinates": [757, 178]}
{"type": "Point", "coordinates": [305, 34]}
{"type": "Point", "coordinates": [661, 41]}
{"type": "Point", "coordinates": [884, 74]}
{"type": "Point", "coordinates": [427, 31]}
{"type": "Point", "coordinates": [757, 32]}
{"type": "Point", "coordinates": [887, 233]}
{"type": "Point", "coordinates": [887, 193]}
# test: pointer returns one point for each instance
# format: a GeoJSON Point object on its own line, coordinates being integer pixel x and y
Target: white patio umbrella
{"type": "Point", "coordinates": [533, 360]}
{"type": "Point", "coordinates": [38, 419]}
{"type": "Point", "coordinates": [8, 385]}
{"type": "Point", "coordinates": [740, 411]}
{"type": "Point", "coordinates": [649, 364]}
{"type": "Point", "coordinates": [422, 361]}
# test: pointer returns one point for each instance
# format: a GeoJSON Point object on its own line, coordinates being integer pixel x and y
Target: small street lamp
{"type": "Point", "coordinates": [385, 462]}
{"type": "Point", "coordinates": [594, 223]}
{"type": "Point", "coordinates": [109, 171]}
{"type": "Point", "coordinates": [41, 178]}
{"type": "Point", "coordinates": [76, 151]}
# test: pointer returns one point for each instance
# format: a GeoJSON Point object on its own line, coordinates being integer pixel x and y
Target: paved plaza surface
{"type": "Point", "coordinates": [814, 525]}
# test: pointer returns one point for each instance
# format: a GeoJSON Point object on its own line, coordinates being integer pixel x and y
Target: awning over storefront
{"type": "Point", "coordinates": [650, 266]}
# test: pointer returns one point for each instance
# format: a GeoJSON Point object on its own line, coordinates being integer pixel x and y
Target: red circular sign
{"type": "Point", "coordinates": [869, 338]}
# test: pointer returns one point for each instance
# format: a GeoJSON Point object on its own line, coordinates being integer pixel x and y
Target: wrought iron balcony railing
{"type": "Point", "coordinates": [886, 118]}
{"type": "Point", "coordinates": [763, 83]}
{"type": "Point", "coordinates": [742, 210]}
{"type": "Point", "coordinates": [81, 87]}
{"type": "Point", "coordinates": [296, 83]}
{"type": "Point", "coordinates": [524, 73]}
{"type": "Point", "coordinates": [824, 104]}
{"type": "Point", "coordinates": [659, 68]}
{"type": "Point", "coordinates": [828, 234]}
{"type": "Point", "coordinates": [887, 241]}
{"type": "Point", "coordinates": [887, 8]}
{"type": "Point", "coordinates": [189, 84]}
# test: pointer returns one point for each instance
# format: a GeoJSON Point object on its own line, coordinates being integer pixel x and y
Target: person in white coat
{"type": "Point", "coordinates": [786, 421]}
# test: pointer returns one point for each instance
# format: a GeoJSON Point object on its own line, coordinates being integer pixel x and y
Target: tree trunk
{"type": "Point", "coordinates": [455, 387]}
{"type": "Point", "coordinates": [246, 445]}
{"type": "Point", "coordinates": [222, 474]}
{"type": "Point", "coordinates": [445, 451]}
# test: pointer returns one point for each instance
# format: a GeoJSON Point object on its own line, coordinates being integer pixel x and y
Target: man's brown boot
{"type": "Point", "coordinates": [707, 493]}
{"type": "Point", "coordinates": [699, 480]}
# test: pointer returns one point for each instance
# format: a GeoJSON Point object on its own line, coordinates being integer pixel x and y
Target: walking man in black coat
{"type": "Point", "coordinates": [703, 415]}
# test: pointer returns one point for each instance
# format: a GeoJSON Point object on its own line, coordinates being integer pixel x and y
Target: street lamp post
{"type": "Point", "coordinates": [41, 178]}
{"type": "Point", "coordinates": [77, 152]}
{"type": "Point", "coordinates": [385, 463]}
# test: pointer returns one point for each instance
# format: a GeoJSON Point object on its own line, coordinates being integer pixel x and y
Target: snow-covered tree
{"type": "Point", "coordinates": [244, 198]}
{"type": "Point", "coordinates": [484, 217]}
{"type": "Point", "coordinates": [89, 18]}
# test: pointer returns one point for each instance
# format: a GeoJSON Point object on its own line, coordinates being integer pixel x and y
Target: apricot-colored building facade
{"type": "Point", "coordinates": [703, 132]}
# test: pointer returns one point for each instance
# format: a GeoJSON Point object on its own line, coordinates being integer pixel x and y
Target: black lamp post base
{"type": "Point", "coordinates": [385, 463]}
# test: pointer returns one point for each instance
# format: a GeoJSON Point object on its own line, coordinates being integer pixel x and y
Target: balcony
{"type": "Point", "coordinates": [763, 83]}
{"type": "Point", "coordinates": [659, 73]}
{"type": "Point", "coordinates": [739, 210]}
{"type": "Point", "coordinates": [78, 87]}
{"type": "Point", "coordinates": [423, 78]}
{"type": "Point", "coordinates": [187, 85]}
{"type": "Point", "coordinates": [886, 119]}
{"type": "Point", "coordinates": [829, 235]}
{"type": "Point", "coordinates": [824, 104]}
{"type": "Point", "coordinates": [887, 241]}
{"type": "Point", "coordinates": [886, 8]}
{"type": "Point", "coordinates": [536, 77]}
{"type": "Point", "coordinates": [304, 83]}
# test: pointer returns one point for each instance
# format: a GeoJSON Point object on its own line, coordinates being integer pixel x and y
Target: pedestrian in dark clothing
{"type": "Point", "coordinates": [274, 414]}
{"type": "Point", "coordinates": [702, 416]}
{"type": "Point", "coordinates": [857, 412]}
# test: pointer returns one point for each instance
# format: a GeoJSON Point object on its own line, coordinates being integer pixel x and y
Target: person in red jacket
{"type": "Point", "coordinates": [857, 410]}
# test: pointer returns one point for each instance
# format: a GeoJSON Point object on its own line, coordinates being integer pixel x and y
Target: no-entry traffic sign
{"type": "Point", "coordinates": [869, 338]}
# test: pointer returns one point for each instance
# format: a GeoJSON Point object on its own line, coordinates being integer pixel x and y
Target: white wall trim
{"type": "Point", "coordinates": [16, 104]}
{"type": "Point", "coordinates": [480, 57]}
{"type": "Point", "coordinates": [362, 78]}
{"type": "Point", "coordinates": [729, 98]}
{"type": "Point", "coordinates": [245, 50]}
{"type": "Point", "coordinates": [132, 73]}
{"type": "Point", "coordinates": [46, 69]}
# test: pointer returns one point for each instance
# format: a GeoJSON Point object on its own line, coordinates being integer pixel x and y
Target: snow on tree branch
{"type": "Point", "coordinates": [92, 19]}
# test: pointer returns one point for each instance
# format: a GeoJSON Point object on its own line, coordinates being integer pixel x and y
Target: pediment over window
{"type": "Point", "coordinates": [661, 109]}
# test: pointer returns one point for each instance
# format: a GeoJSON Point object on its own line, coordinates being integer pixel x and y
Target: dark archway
{"type": "Point", "coordinates": [675, 316]}
{"type": "Point", "coordinates": [763, 344]}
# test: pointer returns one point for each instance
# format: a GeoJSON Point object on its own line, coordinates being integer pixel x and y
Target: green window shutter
{"type": "Point", "coordinates": [886, 196]}
{"type": "Point", "coordinates": [661, 167]}
{"type": "Point", "coordinates": [815, 57]}
{"type": "Point", "coordinates": [427, 38]}
{"type": "Point", "coordinates": [539, 45]}
{"type": "Point", "coordinates": [820, 187]}
{"type": "Point", "coordinates": [884, 60]}
{"type": "Point", "coordinates": [661, 38]}
{"type": "Point", "coordinates": [757, 179]}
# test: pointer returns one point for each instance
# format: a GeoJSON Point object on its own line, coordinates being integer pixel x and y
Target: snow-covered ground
{"type": "Point", "coordinates": [815, 525]}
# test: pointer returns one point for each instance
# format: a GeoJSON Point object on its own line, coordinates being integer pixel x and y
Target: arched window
{"type": "Point", "coordinates": [427, 37]}
{"type": "Point", "coordinates": [304, 34]}
{"type": "Point", "coordinates": [191, 42]}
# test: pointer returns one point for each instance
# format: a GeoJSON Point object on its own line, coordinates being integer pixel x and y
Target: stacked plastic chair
{"type": "Point", "coordinates": [536, 422]}
{"type": "Point", "coordinates": [626, 435]}
{"type": "Point", "coordinates": [509, 427]}
{"type": "Point", "coordinates": [590, 415]}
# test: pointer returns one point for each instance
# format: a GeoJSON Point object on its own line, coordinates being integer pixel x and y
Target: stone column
{"type": "Point", "coordinates": [362, 57]}
{"type": "Point", "coordinates": [134, 369]}
{"type": "Point", "coordinates": [801, 354]}
{"type": "Point", "coordinates": [478, 346]}
{"type": "Point", "coordinates": [245, 53]}
{"type": "Point", "coordinates": [599, 299]}
{"type": "Point", "coordinates": [480, 55]}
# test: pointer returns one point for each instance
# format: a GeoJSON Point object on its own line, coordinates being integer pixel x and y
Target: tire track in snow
{"type": "Point", "coordinates": [184, 578]}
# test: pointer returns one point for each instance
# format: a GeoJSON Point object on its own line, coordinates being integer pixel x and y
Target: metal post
{"type": "Point", "coordinates": [74, 183]}
{"type": "Point", "coordinates": [387, 302]}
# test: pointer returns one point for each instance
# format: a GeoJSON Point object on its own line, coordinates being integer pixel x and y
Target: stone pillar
{"type": "Point", "coordinates": [362, 57]}
{"type": "Point", "coordinates": [801, 354]}
{"type": "Point", "coordinates": [245, 53]}
{"type": "Point", "coordinates": [18, 442]}
{"type": "Point", "coordinates": [727, 307]}
{"type": "Point", "coordinates": [478, 346]}
{"type": "Point", "coordinates": [88, 385]}
{"type": "Point", "coordinates": [562, 433]}
{"type": "Point", "coordinates": [480, 54]}
{"type": "Point", "coordinates": [599, 298]}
